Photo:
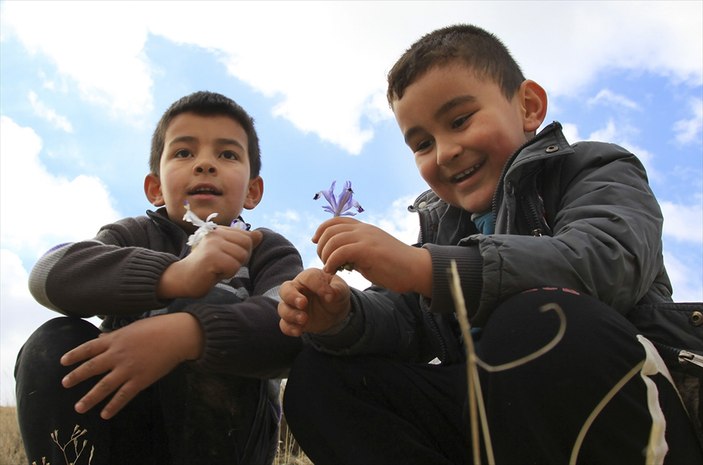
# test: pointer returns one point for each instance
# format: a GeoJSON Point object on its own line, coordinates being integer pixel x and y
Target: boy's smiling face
{"type": "Point", "coordinates": [463, 129]}
{"type": "Point", "coordinates": [204, 162]}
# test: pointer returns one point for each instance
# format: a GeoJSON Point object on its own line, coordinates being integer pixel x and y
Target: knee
{"type": "Point", "coordinates": [305, 372]}
{"type": "Point", "coordinates": [310, 377]}
{"type": "Point", "coordinates": [41, 352]}
{"type": "Point", "coordinates": [565, 322]}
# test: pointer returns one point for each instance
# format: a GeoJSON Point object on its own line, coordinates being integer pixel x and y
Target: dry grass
{"type": "Point", "coordinates": [12, 452]}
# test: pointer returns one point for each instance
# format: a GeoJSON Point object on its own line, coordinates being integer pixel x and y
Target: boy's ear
{"type": "Point", "coordinates": [534, 105]}
{"type": "Point", "coordinates": [254, 193]}
{"type": "Point", "coordinates": [152, 189]}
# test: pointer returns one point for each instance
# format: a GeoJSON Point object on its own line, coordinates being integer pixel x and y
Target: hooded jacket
{"type": "Point", "coordinates": [577, 216]}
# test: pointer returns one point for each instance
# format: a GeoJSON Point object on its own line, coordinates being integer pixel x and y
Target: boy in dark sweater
{"type": "Point", "coordinates": [189, 347]}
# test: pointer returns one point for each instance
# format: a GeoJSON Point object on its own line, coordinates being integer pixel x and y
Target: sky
{"type": "Point", "coordinates": [83, 84]}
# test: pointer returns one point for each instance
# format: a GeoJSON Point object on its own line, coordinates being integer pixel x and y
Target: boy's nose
{"type": "Point", "coordinates": [447, 151]}
{"type": "Point", "coordinates": [205, 167]}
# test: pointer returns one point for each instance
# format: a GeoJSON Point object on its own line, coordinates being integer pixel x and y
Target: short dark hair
{"type": "Point", "coordinates": [205, 103]}
{"type": "Point", "coordinates": [479, 49]}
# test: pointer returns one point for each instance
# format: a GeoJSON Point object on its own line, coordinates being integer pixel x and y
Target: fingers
{"type": "Point", "coordinates": [296, 299]}
{"type": "Point", "coordinates": [233, 243]}
{"type": "Point", "coordinates": [95, 365]}
{"type": "Point", "coordinates": [291, 309]}
{"type": "Point", "coordinates": [290, 329]}
{"type": "Point", "coordinates": [85, 351]}
{"type": "Point", "coordinates": [338, 220]}
{"type": "Point", "coordinates": [340, 245]}
{"type": "Point", "coordinates": [112, 382]}
{"type": "Point", "coordinates": [121, 398]}
{"type": "Point", "coordinates": [96, 361]}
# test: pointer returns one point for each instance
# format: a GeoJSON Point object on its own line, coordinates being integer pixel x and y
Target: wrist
{"type": "Point", "coordinates": [422, 272]}
{"type": "Point", "coordinates": [340, 325]}
{"type": "Point", "coordinates": [189, 335]}
{"type": "Point", "coordinates": [165, 285]}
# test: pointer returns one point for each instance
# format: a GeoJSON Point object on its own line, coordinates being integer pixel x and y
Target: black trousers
{"type": "Point", "coordinates": [370, 410]}
{"type": "Point", "coordinates": [188, 417]}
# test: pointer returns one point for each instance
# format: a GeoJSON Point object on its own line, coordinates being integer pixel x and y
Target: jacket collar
{"type": "Point", "coordinates": [160, 217]}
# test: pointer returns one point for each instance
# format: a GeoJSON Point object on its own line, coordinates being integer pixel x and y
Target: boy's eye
{"type": "Point", "coordinates": [422, 146]}
{"type": "Point", "coordinates": [182, 153]}
{"type": "Point", "coordinates": [457, 123]}
{"type": "Point", "coordinates": [229, 155]}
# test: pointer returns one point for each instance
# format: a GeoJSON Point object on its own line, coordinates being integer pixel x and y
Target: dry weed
{"type": "Point", "coordinates": [12, 451]}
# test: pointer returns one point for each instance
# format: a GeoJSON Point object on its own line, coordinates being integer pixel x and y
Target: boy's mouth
{"type": "Point", "coordinates": [465, 174]}
{"type": "Point", "coordinates": [204, 190]}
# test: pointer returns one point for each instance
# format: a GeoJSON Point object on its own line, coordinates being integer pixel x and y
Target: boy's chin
{"type": "Point", "coordinates": [474, 206]}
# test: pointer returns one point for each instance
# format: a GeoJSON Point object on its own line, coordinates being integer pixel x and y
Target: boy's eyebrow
{"type": "Point", "coordinates": [219, 141]}
{"type": "Point", "coordinates": [455, 102]}
{"type": "Point", "coordinates": [442, 110]}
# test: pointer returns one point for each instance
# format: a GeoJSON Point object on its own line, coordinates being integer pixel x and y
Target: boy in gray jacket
{"type": "Point", "coordinates": [553, 244]}
{"type": "Point", "coordinates": [189, 346]}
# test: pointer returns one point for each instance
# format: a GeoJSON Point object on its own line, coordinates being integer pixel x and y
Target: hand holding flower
{"type": "Point", "coordinates": [378, 256]}
{"type": "Point", "coordinates": [217, 253]}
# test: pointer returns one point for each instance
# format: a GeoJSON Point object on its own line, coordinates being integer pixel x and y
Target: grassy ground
{"type": "Point", "coordinates": [12, 452]}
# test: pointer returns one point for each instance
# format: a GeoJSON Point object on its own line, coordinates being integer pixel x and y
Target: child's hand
{"type": "Point", "coordinates": [132, 358]}
{"type": "Point", "coordinates": [378, 256]}
{"type": "Point", "coordinates": [218, 256]}
{"type": "Point", "coordinates": [313, 302]}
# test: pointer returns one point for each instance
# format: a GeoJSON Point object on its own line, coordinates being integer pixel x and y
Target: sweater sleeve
{"type": "Point", "coordinates": [244, 338]}
{"type": "Point", "coordinates": [115, 273]}
{"type": "Point", "coordinates": [470, 269]}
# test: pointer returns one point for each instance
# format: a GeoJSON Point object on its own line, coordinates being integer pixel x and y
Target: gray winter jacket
{"type": "Point", "coordinates": [576, 216]}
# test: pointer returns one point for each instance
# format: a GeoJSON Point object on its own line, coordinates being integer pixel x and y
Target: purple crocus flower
{"type": "Point", "coordinates": [340, 206]}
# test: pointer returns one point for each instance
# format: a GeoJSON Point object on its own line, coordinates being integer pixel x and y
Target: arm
{"type": "Point", "coordinates": [336, 319]}
{"type": "Point", "coordinates": [117, 272]}
{"type": "Point", "coordinates": [244, 338]}
{"type": "Point", "coordinates": [241, 338]}
{"type": "Point", "coordinates": [132, 266]}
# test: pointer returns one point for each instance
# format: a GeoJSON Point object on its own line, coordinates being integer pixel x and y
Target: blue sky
{"type": "Point", "coordinates": [83, 84]}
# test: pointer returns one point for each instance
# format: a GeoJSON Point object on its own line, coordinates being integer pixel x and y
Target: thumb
{"type": "Point", "coordinates": [337, 289]}
{"type": "Point", "coordinates": [256, 238]}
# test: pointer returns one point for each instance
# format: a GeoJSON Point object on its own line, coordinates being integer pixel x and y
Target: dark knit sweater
{"type": "Point", "coordinates": [115, 276]}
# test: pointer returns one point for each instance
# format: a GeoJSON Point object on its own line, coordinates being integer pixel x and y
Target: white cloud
{"type": "Point", "coordinates": [610, 98]}
{"type": "Point", "coordinates": [49, 114]}
{"type": "Point", "coordinates": [689, 130]}
{"type": "Point", "coordinates": [32, 221]}
{"type": "Point", "coordinates": [571, 132]}
{"type": "Point", "coordinates": [20, 315]}
{"type": "Point", "coordinates": [621, 134]}
{"type": "Point", "coordinates": [685, 280]}
{"type": "Point", "coordinates": [326, 61]}
{"type": "Point", "coordinates": [683, 222]}
{"type": "Point", "coordinates": [398, 221]}
{"type": "Point", "coordinates": [99, 45]}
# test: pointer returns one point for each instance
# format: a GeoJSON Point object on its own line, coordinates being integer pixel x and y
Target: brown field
{"type": "Point", "coordinates": [12, 452]}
